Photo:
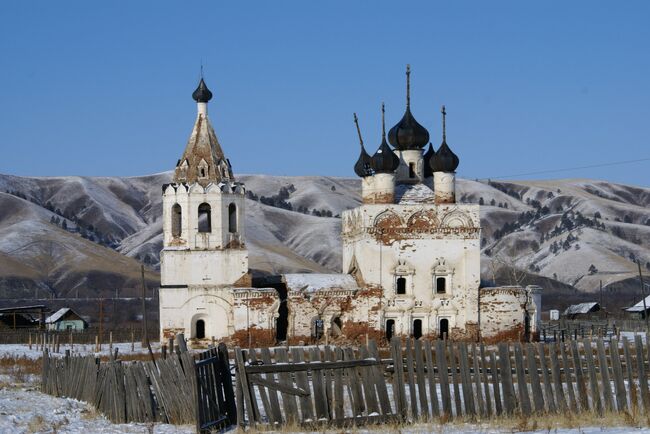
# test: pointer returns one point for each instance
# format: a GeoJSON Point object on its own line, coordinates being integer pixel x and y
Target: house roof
{"type": "Point", "coordinates": [58, 315]}
{"type": "Point", "coordinates": [580, 308]}
{"type": "Point", "coordinates": [639, 306]}
{"type": "Point", "coordinates": [310, 282]}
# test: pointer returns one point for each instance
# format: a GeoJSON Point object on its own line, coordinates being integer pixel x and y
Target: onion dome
{"type": "Point", "coordinates": [408, 133]}
{"type": "Point", "coordinates": [363, 166]}
{"type": "Point", "coordinates": [428, 172]}
{"type": "Point", "coordinates": [444, 160]}
{"type": "Point", "coordinates": [202, 93]}
{"type": "Point", "coordinates": [384, 160]}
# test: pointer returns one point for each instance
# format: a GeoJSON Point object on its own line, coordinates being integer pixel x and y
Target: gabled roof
{"type": "Point", "coordinates": [581, 308]}
{"type": "Point", "coordinates": [639, 306]}
{"type": "Point", "coordinates": [56, 316]}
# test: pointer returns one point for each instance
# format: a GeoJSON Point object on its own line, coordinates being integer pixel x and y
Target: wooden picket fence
{"type": "Point", "coordinates": [425, 380]}
{"type": "Point", "coordinates": [176, 389]}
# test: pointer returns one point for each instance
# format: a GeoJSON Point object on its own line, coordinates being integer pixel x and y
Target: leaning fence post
{"type": "Point", "coordinates": [226, 380]}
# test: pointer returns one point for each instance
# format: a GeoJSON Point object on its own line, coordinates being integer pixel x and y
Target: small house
{"type": "Point", "coordinates": [639, 310]}
{"type": "Point", "coordinates": [65, 319]}
{"type": "Point", "coordinates": [583, 310]}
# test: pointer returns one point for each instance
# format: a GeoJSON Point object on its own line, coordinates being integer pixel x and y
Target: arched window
{"type": "Point", "coordinates": [401, 285]}
{"type": "Point", "coordinates": [200, 329]}
{"type": "Point", "coordinates": [441, 285]}
{"type": "Point", "coordinates": [177, 220]}
{"type": "Point", "coordinates": [205, 218]}
{"type": "Point", "coordinates": [417, 328]}
{"type": "Point", "coordinates": [411, 170]}
{"type": "Point", "coordinates": [390, 329]}
{"type": "Point", "coordinates": [232, 218]}
{"type": "Point", "coordinates": [444, 328]}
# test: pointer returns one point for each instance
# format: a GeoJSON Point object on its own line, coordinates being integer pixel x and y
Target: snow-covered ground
{"type": "Point", "coordinates": [26, 410]}
{"type": "Point", "coordinates": [23, 350]}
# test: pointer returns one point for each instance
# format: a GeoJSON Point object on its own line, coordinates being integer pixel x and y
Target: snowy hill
{"type": "Point", "coordinates": [69, 234]}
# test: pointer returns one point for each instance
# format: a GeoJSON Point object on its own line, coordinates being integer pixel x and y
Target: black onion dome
{"type": "Point", "coordinates": [363, 166]}
{"type": "Point", "coordinates": [444, 160]}
{"type": "Point", "coordinates": [408, 133]}
{"type": "Point", "coordinates": [202, 93]}
{"type": "Point", "coordinates": [428, 172]}
{"type": "Point", "coordinates": [384, 160]}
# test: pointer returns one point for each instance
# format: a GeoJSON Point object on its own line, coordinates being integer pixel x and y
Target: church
{"type": "Point", "coordinates": [411, 255]}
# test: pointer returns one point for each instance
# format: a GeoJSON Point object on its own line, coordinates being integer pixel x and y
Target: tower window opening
{"type": "Point", "coordinates": [232, 218]}
{"type": "Point", "coordinates": [411, 170]}
{"type": "Point", "coordinates": [441, 285]}
{"type": "Point", "coordinates": [390, 329]}
{"type": "Point", "coordinates": [401, 285]}
{"type": "Point", "coordinates": [205, 218]}
{"type": "Point", "coordinates": [177, 220]}
{"type": "Point", "coordinates": [417, 328]}
{"type": "Point", "coordinates": [200, 329]}
{"type": "Point", "coordinates": [202, 172]}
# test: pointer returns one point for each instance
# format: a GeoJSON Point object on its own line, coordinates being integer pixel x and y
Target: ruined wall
{"type": "Point", "coordinates": [379, 188]}
{"type": "Point", "coordinates": [417, 244]}
{"type": "Point", "coordinates": [254, 312]}
{"type": "Point", "coordinates": [503, 312]}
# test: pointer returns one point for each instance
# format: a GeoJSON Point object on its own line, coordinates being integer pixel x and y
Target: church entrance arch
{"type": "Point", "coordinates": [199, 329]}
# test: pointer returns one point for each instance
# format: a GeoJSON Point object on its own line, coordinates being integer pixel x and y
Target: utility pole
{"type": "Point", "coordinates": [645, 312]}
{"type": "Point", "coordinates": [601, 295]}
{"type": "Point", "coordinates": [145, 338]}
{"type": "Point", "coordinates": [101, 318]}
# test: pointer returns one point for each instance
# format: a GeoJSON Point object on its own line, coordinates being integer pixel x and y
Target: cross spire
{"type": "Point", "coordinates": [408, 86]}
{"type": "Point", "coordinates": [444, 124]}
{"type": "Point", "coordinates": [356, 122]}
{"type": "Point", "coordinates": [383, 122]}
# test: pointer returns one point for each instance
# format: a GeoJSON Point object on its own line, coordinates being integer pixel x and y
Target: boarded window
{"type": "Point", "coordinates": [177, 220]}
{"type": "Point", "coordinates": [417, 328]}
{"type": "Point", "coordinates": [401, 285]}
{"type": "Point", "coordinates": [232, 218]}
{"type": "Point", "coordinates": [441, 285]}
{"type": "Point", "coordinates": [411, 170]}
{"type": "Point", "coordinates": [205, 218]}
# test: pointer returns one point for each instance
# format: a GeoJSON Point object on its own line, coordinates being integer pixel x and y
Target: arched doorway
{"type": "Point", "coordinates": [390, 329]}
{"type": "Point", "coordinates": [200, 329]}
{"type": "Point", "coordinates": [444, 328]}
{"type": "Point", "coordinates": [336, 327]}
{"type": "Point", "coordinates": [417, 328]}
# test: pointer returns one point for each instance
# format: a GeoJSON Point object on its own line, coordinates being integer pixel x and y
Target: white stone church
{"type": "Point", "coordinates": [411, 254]}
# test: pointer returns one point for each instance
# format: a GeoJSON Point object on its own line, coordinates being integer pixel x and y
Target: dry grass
{"type": "Point", "coordinates": [508, 424]}
{"type": "Point", "coordinates": [19, 368]}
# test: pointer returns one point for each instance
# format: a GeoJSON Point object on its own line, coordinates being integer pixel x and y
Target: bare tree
{"type": "Point", "coordinates": [516, 275]}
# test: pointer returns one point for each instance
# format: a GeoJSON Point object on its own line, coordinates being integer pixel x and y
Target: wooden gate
{"type": "Point", "coordinates": [215, 407]}
{"type": "Point", "coordinates": [311, 385]}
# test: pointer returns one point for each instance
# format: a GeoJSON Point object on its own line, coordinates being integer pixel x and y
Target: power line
{"type": "Point", "coordinates": [591, 166]}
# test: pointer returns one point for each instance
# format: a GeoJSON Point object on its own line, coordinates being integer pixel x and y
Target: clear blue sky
{"type": "Point", "coordinates": [103, 88]}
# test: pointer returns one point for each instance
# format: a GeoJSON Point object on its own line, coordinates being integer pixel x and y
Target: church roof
{"type": "Point", "coordinates": [408, 133]}
{"type": "Point", "coordinates": [203, 160]}
{"type": "Point", "coordinates": [413, 193]}
{"type": "Point", "coordinates": [311, 282]}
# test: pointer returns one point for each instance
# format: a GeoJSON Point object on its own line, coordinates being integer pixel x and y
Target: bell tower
{"type": "Point", "coordinates": [203, 212]}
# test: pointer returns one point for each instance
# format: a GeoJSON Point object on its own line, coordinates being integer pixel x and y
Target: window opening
{"type": "Point", "coordinates": [232, 218]}
{"type": "Point", "coordinates": [441, 285]}
{"type": "Point", "coordinates": [390, 329]}
{"type": "Point", "coordinates": [205, 218]}
{"type": "Point", "coordinates": [444, 328]}
{"type": "Point", "coordinates": [417, 328]}
{"type": "Point", "coordinates": [177, 219]}
{"type": "Point", "coordinates": [401, 285]}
